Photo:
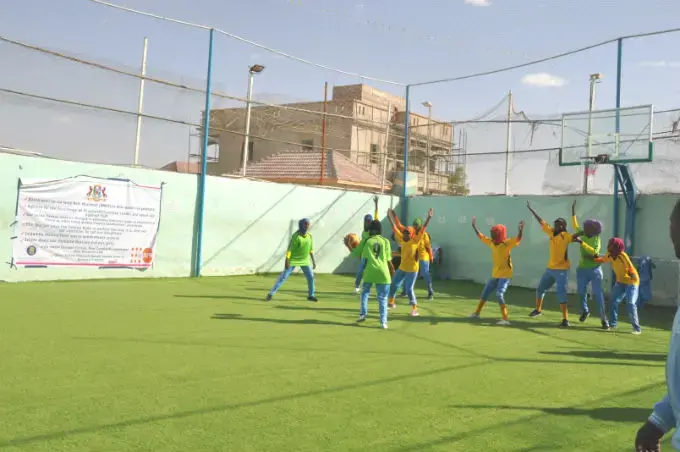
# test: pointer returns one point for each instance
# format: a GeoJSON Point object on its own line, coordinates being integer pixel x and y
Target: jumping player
{"type": "Point", "coordinates": [425, 255]}
{"type": "Point", "coordinates": [558, 265]}
{"type": "Point", "coordinates": [299, 254]}
{"type": "Point", "coordinates": [627, 281]}
{"type": "Point", "coordinates": [501, 275]}
{"type": "Point", "coordinates": [378, 270]}
{"type": "Point", "coordinates": [364, 235]}
{"type": "Point", "coordinates": [408, 268]}
{"type": "Point", "coordinates": [589, 271]}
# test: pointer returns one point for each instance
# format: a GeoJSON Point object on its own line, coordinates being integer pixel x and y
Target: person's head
{"type": "Point", "coordinates": [499, 233]}
{"type": "Point", "coordinates": [368, 219]}
{"type": "Point", "coordinates": [406, 234]}
{"type": "Point", "coordinates": [615, 246]}
{"type": "Point", "coordinates": [675, 228]}
{"type": "Point", "coordinates": [417, 224]}
{"type": "Point", "coordinates": [592, 228]}
{"type": "Point", "coordinates": [303, 226]}
{"type": "Point", "coordinates": [375, 228]}
{"type": "Point", "coordinates": [560, 225]}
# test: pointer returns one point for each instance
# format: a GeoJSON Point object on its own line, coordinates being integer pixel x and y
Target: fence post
{"type": "Point", "coordinates": [204, 159]}
{"type": "Point", "coordinates": [407, 114]}
{"type": "Point", "coordinates": [619, 62]}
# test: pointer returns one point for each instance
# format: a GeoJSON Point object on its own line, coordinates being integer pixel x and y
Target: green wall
{"type": "Point", "coordinates": [247, 223]}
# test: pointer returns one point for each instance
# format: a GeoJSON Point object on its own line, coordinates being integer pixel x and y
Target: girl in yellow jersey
{"type": "Point", "coordinates": [502, 266]}
{"type": "Point", "coordinates": [425, 255]}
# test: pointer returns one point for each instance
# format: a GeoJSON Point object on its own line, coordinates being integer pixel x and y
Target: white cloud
{"type": "Point", "coordinates": [478, 2]}
{"type": "Point", "coordinates": [543, 79]}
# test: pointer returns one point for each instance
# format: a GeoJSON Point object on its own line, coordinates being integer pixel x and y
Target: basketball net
{"type": "Point", "coordinates": [590, 170]}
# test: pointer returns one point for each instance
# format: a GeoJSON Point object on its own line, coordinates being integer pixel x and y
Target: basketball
{"type": "Point", "coordinates": [352, 240]}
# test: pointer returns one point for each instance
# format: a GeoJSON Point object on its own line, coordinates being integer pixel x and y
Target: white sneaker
{"type": "Point", "coordinates": [361, 318]}
{"type": "Point", "coordinates": [636, 332]}
{"type": "Point", "coordinates": [384, 326]}
{"type": "Point", "coordinates": [474, 315]}
{"type": "Point", "coordinates": [503, 322]}
{"type": "Point", "coordinates": [415, 313]}
{"type": "Point", "coordinates": [357, 289]}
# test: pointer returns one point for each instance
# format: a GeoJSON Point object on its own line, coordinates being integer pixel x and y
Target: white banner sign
{"type": "Point", "coordinates": [86, 221]}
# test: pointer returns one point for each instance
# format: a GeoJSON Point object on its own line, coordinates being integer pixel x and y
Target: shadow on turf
{"type": "Point", "coordinates": [658, 357]}
{"type": "Point", "coordinates": [632, 415]}
{"type": "Point", "coordinates": [286, 321]}
{"type": "Point", "coordinates": [220, 297]}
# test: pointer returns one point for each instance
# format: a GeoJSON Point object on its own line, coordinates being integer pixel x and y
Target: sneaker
{"type": "Point", "coordinates": [535, 313]}
{"type": "Point", "coordinates": [403, 295]}
{"type": "Point", "coordinates": [430, 297]}
{"type": "Point", "coordinates": [392, 305]}
{"type": "Point", "coordinates": [636, 332]}
{"type": "Point", "coordinates": [474, 315]}
{"type": "Point", "coordinates": [361, 318]}
{"type": "Point", "coordinates": [605, 325]}
{"type": "Point", "coordinates": [314, 299]}
{"type": "Point", "coordinates": [565, 324]}
{"type": "Point", "coordinates": [584, 316]}
{"type": "Point", "coordinates": [384, 326]}
{"type": "Point", "coordinates": [415, 313]}
{"type": "Point", "coordinates": [503, 322]}
{"type": "Point", "coordinates": [357, 289]}
{"type": "Point", "coordinates": [269, 297]}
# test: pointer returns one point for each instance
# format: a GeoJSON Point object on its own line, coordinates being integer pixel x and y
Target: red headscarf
{"type": "Point", "coordinates": [499, 233]}
{"type": "Point", "coordinates": [617, 244]}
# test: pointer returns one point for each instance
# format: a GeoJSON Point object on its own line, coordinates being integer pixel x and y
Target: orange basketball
{"type": "Point", "coordinates": [352, 240]}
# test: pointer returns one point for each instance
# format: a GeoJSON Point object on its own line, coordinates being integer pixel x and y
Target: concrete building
{"type": "Point", "coordinates": [357, 124]}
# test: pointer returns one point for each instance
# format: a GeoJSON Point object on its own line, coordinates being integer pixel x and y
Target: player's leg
{"type": "Point", "coordinates": [397, 280]}
{"type": "Point", "coordinates": [632, 293]}
{"type": "Point", "coordinates": [365, 293]}
{"type": "Point", "coordinates": [311, 289]}
{"type": "Point", "coordinates": [382, 291]}
{"type": "Point", "coordinates": [427, 276]}
{"type": "Point", "coordinates": [618, 292]}
{"type": "Point", "coordinates": [409, 284]}
{"type": "Point", "coordinates": [488, 289]}
{"type": "Point", "coordinates": [561, 281]}
{"type": "Point", "coordinates": [546, 282]}
{"type": "Point", "coordinates": [583, 277]}
{"type": "Point", "coordinates": [279, 281]}
{"type": "Point", "coordinates": [360, 275]}
{"type": "Point", "coordinates": [501, 288]}
{"type": "Point", "coordinates": [598, 294]}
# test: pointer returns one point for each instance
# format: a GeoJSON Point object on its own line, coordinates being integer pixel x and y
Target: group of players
{"type": "Point", "coordinates": [376, 266]}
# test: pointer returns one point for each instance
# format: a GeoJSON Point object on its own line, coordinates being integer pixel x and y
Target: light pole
{"type": "Point", "coordinates": [254, 69]}
{"type": "Point", "coordinates": [594, 79]}
{"type": "Point", "coordinates": [428, 104]}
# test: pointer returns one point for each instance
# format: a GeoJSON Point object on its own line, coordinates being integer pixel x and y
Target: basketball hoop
{"type": "Point", "coordinates": [590, 169]}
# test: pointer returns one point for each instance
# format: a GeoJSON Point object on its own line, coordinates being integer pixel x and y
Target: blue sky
{"type": "Point", "coordinates": [387, 39]}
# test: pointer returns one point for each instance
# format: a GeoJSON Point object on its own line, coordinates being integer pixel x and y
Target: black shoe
{"type": "Point", "coordinates": [314, 299]}
{"type": "Point", "coordinates": [403, 295]}
{"type": "Point", "coordinates": [535, 313]}
{"type": "Point", "coordinates": [269, 297]}
{"type": "Point", "coordinates": [430, 296]}
{"type": "Point", "coordinates": [565, 324]}
{"type": "Point", "coordinates": [605, 325]}
{"type": "Point", "coordinates": [584, 316]}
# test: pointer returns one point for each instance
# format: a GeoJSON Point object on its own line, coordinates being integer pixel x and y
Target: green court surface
{"type": "Point", "coordinates": [207, 365]}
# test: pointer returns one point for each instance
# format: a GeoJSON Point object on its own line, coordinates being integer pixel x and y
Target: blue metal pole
{"type": "Point", "coordinates": [204, 160]}
{"type": "Point", "coordinates": [619, 62]}
{"type": "Point", "coordinates": [407, 115]}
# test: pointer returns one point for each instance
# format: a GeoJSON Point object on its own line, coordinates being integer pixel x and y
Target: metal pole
{"type": "Point", "coordinates": [246, 133]}
{"type": "Point", "coordinates": [619, 63]}
{"type": "Point", "coordinates": [323, 132]}
{"type": "Point", "coordinates": [407, 114]}
{"type": "Point", "coordinates": [428, 148]}
{"type": "Point", "coordinates": [589, 136]}
{"type": "Point", "coordinates": [508, 145]}
{"type": "Point", "coordinates": [140, 105]}
{"type": "Point", "coordinates": [204, 159]}
{"type": "Point", "coordinates": [387, 144]}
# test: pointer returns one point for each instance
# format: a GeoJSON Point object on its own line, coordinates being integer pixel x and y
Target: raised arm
{"type": "Point", "coordinates": [430, 214]}
{"type": "Point", "coordinates": [396, 223]}
{"type": "Point", "coordinates": [574, 220]}
{"type": "Point", "coordinates": [474, 227]}
{"type": "Point", "coordinates": [533, 212]}
{"type": "Point", "coordinates": [375, 201]}
{"type": "Point", "coordinates": [392, 217]}
{"type": "Point", "coordinates": [520, 231]}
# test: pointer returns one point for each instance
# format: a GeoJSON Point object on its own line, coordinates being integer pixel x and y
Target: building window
{"type": "Point", "coordinates": [307, 145]}
{"type": "Point", "coordinates": [375, 155]}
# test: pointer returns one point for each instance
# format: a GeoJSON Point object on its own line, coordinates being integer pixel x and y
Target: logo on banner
{"type": "Point", "coordinates": [97, 193]}
{"type": "Point", "coordinates": [147, 255]}
{"type": "Point", "coordinates": [31, 250]}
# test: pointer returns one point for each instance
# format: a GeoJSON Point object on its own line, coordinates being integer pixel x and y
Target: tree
{"type": "Point", "coordinates": [458, 185]}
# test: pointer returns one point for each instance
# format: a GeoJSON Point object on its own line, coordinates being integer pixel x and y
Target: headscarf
{"type": "Point", "coordinates": [368, 218]}
{"type": "Point", "coordinates": [418, 223]}
{"type": "Point", "coordinates": [617, 244]}
{"type": "Point", "coordinates": [303, 226]}
{"type": "Point", "coordinates": [499, 233]}
{"type": "Point", "coordinates": [595, 224]}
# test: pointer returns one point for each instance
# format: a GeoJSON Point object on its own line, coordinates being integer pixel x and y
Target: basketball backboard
{"type": "Point", "coordinates": [588, 134]}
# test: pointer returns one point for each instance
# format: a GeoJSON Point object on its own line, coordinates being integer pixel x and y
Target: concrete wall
{"type": "Point", "coordinates": [247, 224]}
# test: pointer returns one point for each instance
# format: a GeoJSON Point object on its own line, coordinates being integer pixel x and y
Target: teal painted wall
{"type": "Point", "coordinates": [247, 223]}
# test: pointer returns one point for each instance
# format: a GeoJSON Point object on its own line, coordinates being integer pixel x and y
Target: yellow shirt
{"type": "Point", "coordinates": [424, 248]}
{"type": "Point", "coordinates": [500, 256]}
{"type": "Point", "coordinates": [559, 259]}
{"type": "Point", "coordinates": [623, 268]}
{"type": "Point", "coordinates": [409, 251]}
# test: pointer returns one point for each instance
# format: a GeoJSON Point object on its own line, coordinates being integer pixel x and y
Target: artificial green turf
{"type": "Point", "coordinates": [207, 365]}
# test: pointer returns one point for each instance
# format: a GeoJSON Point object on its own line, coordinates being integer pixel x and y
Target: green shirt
{"type": "Point", "coordinates": [299, 249]}
{"type": "Point", "coordinates": [378, 253]}
{"type": "Point", "coordinates": [586, 260]}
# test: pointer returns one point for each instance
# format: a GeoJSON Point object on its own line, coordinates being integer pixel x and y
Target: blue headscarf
{"type": "Point", "coordinates": [368, 219]}
{"type": "Point", "coordinates": [303, 226]}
